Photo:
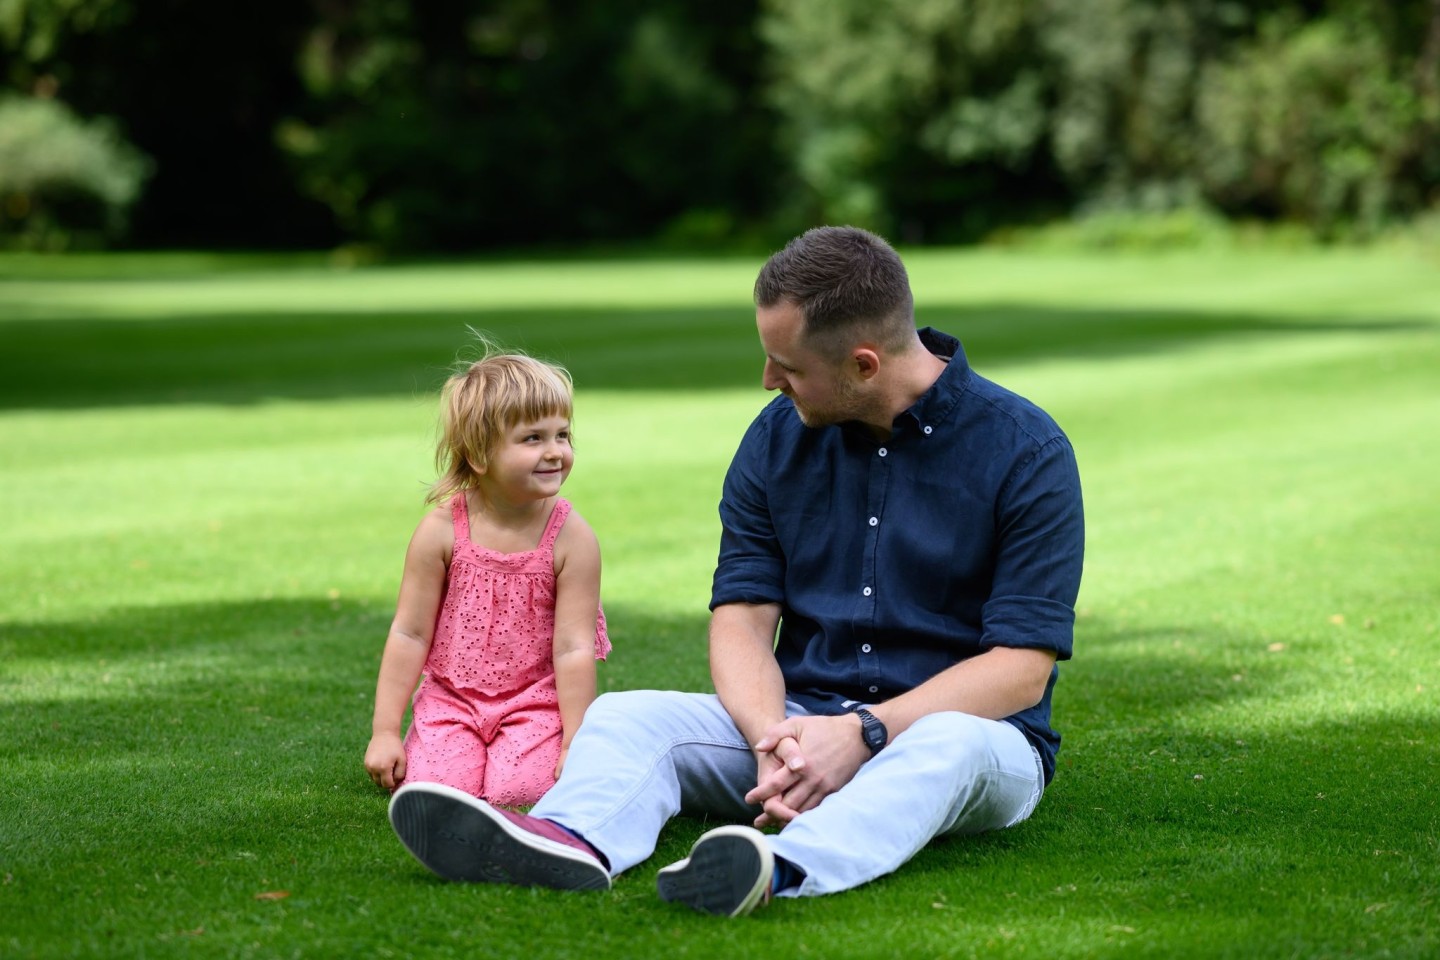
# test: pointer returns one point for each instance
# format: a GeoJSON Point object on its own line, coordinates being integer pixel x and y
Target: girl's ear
{"type": "Point", "coordinates": [478, 466]}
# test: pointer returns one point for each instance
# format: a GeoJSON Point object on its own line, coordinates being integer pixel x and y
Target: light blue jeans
{"type": "Point", "coordinates": [643, 756]}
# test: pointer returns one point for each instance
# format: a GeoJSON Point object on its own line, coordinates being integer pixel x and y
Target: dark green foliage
{"type": "Point", "coordinates": [469, 124]}
{"type": "Point", "coordinates": [950, 118]}
{"type": "Point", "coordinates": [63, 182]}
{"type": "Point", "coordinates": [462, 124]}
{"type": "Point", "coordinates": [1321, 123]}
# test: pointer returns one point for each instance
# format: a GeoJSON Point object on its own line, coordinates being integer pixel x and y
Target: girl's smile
{"type": "Point", "coordinates": [531, 461]}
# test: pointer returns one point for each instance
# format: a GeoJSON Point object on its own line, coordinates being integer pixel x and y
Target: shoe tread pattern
{"type": "Point", "coordinates": [464, 844]}
{"type": "Point", "coordinates": [719, 877]}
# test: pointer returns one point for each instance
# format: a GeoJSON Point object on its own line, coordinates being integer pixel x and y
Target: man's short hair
{"type": "Point", "coordinates": [848, 284]}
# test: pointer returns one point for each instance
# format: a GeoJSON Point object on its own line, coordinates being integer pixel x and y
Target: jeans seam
{"type": "Point", "coordinates": [1036, 793]}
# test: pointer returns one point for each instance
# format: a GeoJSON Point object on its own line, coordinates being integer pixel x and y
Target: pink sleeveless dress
{"type": "Point", "coordinates": [486, 718]}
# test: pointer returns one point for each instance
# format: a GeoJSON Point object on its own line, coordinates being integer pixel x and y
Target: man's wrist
{"type": "Point", "coordinates": [872, 731]}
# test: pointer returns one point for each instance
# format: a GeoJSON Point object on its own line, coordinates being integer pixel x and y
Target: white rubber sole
{"type": "Point", "coordinates": [728, 873]}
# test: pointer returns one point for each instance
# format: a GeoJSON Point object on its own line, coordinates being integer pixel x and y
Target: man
{"type": "Point", "coordinates": [915, 532]}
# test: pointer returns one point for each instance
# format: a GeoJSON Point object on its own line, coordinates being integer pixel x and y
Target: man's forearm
{"type": "Point", "coordinates": [743, 668]}
{"type": "Point", "coordinates": [996, 684]}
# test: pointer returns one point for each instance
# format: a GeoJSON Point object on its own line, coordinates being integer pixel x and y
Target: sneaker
{"type": "Point", "coordinates": [728, 872]}
{"type": "Point", "coordinates": [462, 838]}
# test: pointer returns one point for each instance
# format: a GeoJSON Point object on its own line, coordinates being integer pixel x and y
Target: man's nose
{"type": "Point", "coordinates": [770, 377]}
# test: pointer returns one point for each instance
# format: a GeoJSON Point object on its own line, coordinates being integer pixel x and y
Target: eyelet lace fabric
{"type": "Point", "coordinates": [486, 718]}
{"type": "Point", "coordinates": [497, 623]}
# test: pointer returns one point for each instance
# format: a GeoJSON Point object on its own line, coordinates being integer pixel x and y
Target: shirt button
{"type": "Point", "coordinates": [884, 452]}
{"type": "Point", "coordinates": [929, 430]}
{"type": "Point", "coordinates": [865, 648]}
{"type": "Point", "coordinates": [874, 689]}
{"type": "Point", "coordinates": [866, 591]}
{"type": "Point", "coordinates": [874, 520]}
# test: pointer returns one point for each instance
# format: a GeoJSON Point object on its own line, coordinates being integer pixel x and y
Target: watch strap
{"type": "Point", "coordinates": [872, 731]}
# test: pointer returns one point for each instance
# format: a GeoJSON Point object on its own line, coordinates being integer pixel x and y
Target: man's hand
{"type": "Point", "coordinates": [778, 768]}
{"type": "Point", "coordinates": [802, 761]}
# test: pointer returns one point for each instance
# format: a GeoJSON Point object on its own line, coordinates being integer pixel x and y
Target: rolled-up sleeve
{"type": "Point", "coordinates": [1040, 541]}
{"type": "Point", "coordinates": [751, 568]}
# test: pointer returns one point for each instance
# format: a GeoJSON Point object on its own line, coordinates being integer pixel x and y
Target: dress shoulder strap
{"type": "Point", "coordinates": [557, 520]}
{"type": "Point", "coordinates": [460, 518]}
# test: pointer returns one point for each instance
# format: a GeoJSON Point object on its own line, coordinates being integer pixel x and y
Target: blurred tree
{"type": "Point", "coordinates": [926, 118]}
{"type": "Point", "coordinates": [34, 33]}
{"type": "Point", "coordinates": [1421, 164]}
{"type": "Point", "coordinates": [458, 124]}
{"type": "Point", "coordinates": [1126, 74]}
{"type": "Point", "coordinates": [948, 118]}
{"type": "Point", "coordinates": [1331, 122]}
{"type": "Point", "coordinates": [196, 86]}
{"type": "Point", "coordinates": [64, 182]}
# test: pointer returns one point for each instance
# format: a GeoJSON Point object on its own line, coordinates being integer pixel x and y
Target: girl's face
{"type": "Point", "coordinates": [530, 461]}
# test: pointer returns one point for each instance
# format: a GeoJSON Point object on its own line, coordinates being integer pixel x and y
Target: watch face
{"type": "Point", "coordinates": [873, 731]}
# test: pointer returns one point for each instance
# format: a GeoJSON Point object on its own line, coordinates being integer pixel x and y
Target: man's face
{"type": "Point", "coordinates": [817, 385]}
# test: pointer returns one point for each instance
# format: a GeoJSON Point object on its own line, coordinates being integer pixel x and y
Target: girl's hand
{"type": "Point", "coordinates": [560, 764]}
{"type": "Point", "coordinates": [385, 760]}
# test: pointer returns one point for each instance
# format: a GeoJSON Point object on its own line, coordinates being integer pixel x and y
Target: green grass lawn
{"type": "Point", "coordinates": [210, 467]}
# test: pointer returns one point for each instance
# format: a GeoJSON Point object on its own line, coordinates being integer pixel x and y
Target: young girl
{"type": "Point", "coordinates": [500, 600]}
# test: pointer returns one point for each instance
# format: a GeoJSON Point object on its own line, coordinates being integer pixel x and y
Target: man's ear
{"type": "Point", "coordinates": [866, 361]}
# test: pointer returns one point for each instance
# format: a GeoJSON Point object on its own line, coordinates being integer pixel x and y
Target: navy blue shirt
{"type": "Point", "coordinates": [893, 560]}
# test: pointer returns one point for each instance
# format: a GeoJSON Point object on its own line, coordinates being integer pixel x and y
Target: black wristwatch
{"type": "Point", "coordinates": [872, 731]}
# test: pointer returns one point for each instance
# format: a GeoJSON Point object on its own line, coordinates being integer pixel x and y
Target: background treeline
{"type": "Point", "coordinates": [458, 124]}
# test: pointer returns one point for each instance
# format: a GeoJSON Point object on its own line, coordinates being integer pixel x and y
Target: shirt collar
{"type": "Point", "coordinates": [935, 404]}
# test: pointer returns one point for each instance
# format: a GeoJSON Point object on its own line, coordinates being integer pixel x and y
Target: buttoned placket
{"type": "Point", "coordinates": [865, 634]}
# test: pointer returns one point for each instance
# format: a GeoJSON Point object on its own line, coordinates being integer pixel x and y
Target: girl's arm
{"type": "Point", "coordinates": [577, 603]}
{"type": "Point", "coordinates": [421, 589]}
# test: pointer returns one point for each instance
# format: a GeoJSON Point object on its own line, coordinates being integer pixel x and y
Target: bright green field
{"type": "Point", "coordinates": [210, 466]}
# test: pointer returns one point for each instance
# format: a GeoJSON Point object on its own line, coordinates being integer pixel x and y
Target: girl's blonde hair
{"type": "Point", "coordinates": [480, 403]}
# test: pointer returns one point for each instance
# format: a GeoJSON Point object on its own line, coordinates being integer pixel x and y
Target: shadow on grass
{"type": "Point", "coordinates": [225, 730]}
{"type": "Point", "coordinates": [152, 680]}
{"type": "Point", "coordinates": [286, 686]}
{"type": "Point", "coordinates": [250, 357]}
{"type": "Point", "coordinates": [118, 682]}
{"type": "Point", "coordinates": [181, 764]}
